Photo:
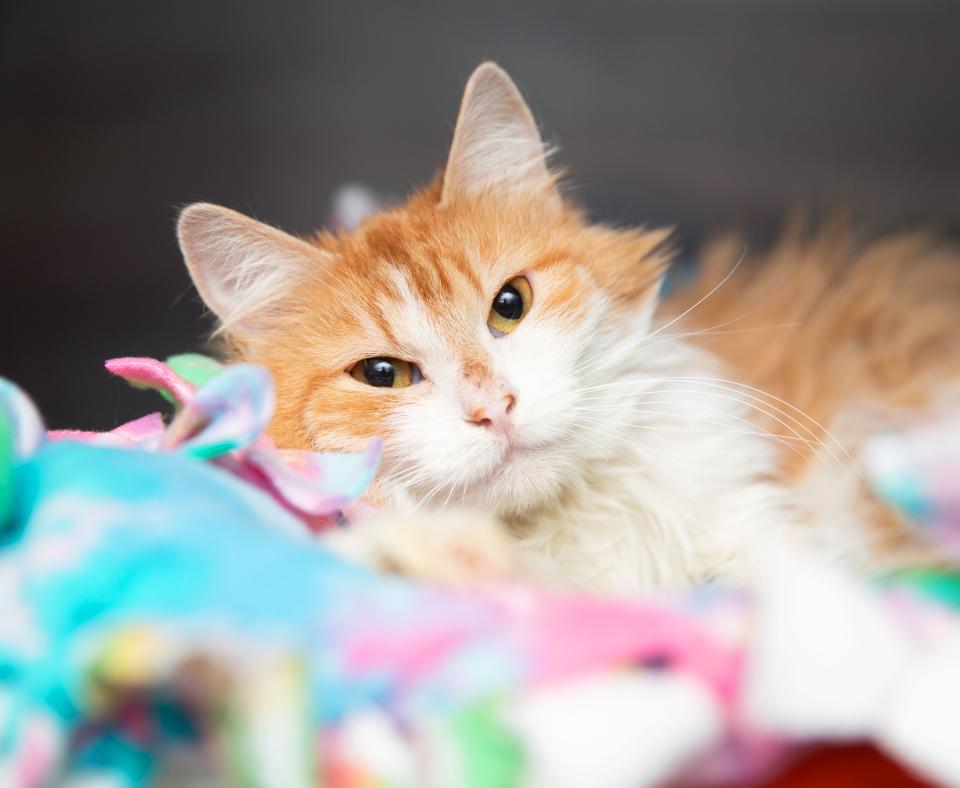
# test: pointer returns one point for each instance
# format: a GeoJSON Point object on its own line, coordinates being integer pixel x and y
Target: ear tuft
{"type": "Point", "coordinates": [496, 144]}
{"type": "Point", "coordinates": [240, 267]}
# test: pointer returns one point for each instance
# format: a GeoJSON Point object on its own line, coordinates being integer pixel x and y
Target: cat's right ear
{"type": "Point", "coordinates": [496, 145]}
{"type": "Point", "coordinates": [242, 268]}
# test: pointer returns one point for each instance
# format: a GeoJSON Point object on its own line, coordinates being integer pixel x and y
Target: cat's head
{"type": "Point", "coordinates": [464, 326]}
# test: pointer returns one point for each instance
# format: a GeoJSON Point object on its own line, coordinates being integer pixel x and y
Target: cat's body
{"type": "Point", "coordinates": [512, 356]}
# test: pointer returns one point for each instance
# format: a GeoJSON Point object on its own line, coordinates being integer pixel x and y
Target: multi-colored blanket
{"type": "Point", "coordinates": [166, 605]}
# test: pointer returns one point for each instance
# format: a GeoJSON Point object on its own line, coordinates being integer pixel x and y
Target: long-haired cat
{"type": "Point", "coordinates": [515, 359]}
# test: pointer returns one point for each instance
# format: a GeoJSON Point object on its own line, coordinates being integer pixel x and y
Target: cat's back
{"type": "Point", "coordinates": [833, 340]}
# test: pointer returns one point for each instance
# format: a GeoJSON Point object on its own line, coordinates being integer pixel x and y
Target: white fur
{"type": "Point", "coordinates": [667, 483]}
{"type": "Point", "coordinates": [666, 494]}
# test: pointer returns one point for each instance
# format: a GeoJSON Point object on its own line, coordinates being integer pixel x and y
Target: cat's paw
{"type": "Point", "coordinates": [451, 547]}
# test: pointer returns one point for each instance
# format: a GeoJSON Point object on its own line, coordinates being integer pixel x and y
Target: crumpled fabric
{"type": "Point", "coordinates": [917, 470]}
{"type": "Point", "coordinates": [223, 421]}
{"type": "Point", "coordinates": [162, 606]}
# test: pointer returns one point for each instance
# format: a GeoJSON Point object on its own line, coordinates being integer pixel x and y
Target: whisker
{"type": "Point", "coordinates": [726, 384]}
{"type": "Point", "coordinates": [836, 441]}
{"type": "Point", "coordinates": [747, 401]}
{"type": "Point", "coordinates": [406, 476]}
{"type": "Point", "coordinates": [712, 290]}
{"type": "Point", "coordinates": [785, 440]}
{"type": "Point", "coordinates": [708, 427]}
{"type": "Point", "coordinates": [619, 437]}
{"type": "Point", "coordinates": [709, 332]}
{"type": "Point", "coordinates": [447, 499]}
{"type": "Point", "coordinates": [578, 435]}
{"type": "Point", "coordinates": [433, 491]}
{"type": "Point", "coordinates": [641, 340]}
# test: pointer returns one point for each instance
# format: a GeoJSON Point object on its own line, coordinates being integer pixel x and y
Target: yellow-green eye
{"type": "Point", "coordinates": [510, 306]}
{"type": "Point", "coordinates": [384, 372]}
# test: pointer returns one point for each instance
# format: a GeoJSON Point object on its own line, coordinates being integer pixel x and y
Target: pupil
{"type": "Point", "coordinates": [379, 372]}
{"type": "Point", "coordinates": [509, 303]}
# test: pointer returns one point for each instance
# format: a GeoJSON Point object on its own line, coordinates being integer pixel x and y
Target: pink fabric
{"type": "Point", "coordinates": [152, 374]}
{"type": "Point", "coordinates": [130, 434]}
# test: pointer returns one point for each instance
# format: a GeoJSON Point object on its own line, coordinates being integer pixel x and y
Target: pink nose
{"type": "Point", "coordinates": [495, 414]}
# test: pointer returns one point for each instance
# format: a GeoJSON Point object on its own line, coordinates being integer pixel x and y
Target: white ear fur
{"type": "Point", "coordinates": [496, 144]}
{"type": "Point", "coordinates": [240, 267]}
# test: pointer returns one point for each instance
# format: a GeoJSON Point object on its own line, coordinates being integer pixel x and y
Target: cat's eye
{"type": "Point", "coordinates": [385, 372]}
{"type": "Point", "coordinates": [510, 306]}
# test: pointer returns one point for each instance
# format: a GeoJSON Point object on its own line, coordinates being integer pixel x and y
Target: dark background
{"type": "Point", "coordinates": [701, 113]}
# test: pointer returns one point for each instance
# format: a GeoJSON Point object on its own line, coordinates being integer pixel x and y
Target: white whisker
{"type": "Point", "coordinates": [784, 440]}
{"type": "Point", "coordinates": [641, 341]}
{"type": "Point", "coordinates": [726, 384]}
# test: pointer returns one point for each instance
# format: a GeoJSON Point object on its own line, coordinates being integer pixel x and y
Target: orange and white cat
{"type": "Point", "coordinates": [515, 359]}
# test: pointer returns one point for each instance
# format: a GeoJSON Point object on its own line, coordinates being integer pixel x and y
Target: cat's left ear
{"type": "Point", "coordinates": [496, 145]}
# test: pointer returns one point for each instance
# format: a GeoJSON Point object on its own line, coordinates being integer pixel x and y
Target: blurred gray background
{"type": "Point", "coordinates": [698, 113]}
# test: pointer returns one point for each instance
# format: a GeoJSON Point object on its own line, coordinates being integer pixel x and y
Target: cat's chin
{"type": "Point", "coordinates": [525, 479]}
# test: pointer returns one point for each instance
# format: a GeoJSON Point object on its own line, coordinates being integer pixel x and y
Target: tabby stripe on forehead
{"type": "Point", "coordinates": [439, 269]}
{"type": "Point", "coordinates": [462, 265]}
{"type": "Point", "coordinates": [428, 281]}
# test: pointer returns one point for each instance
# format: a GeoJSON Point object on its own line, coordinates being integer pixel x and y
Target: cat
{"type": "Point", "coordinates": [517, 360]}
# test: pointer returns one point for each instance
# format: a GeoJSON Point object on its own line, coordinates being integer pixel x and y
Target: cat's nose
{"type": "Point", "coordinates": [495, 414]}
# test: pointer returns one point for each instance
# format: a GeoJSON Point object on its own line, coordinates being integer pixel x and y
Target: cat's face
{"type": "Point", "coordinates": [463, 327]}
